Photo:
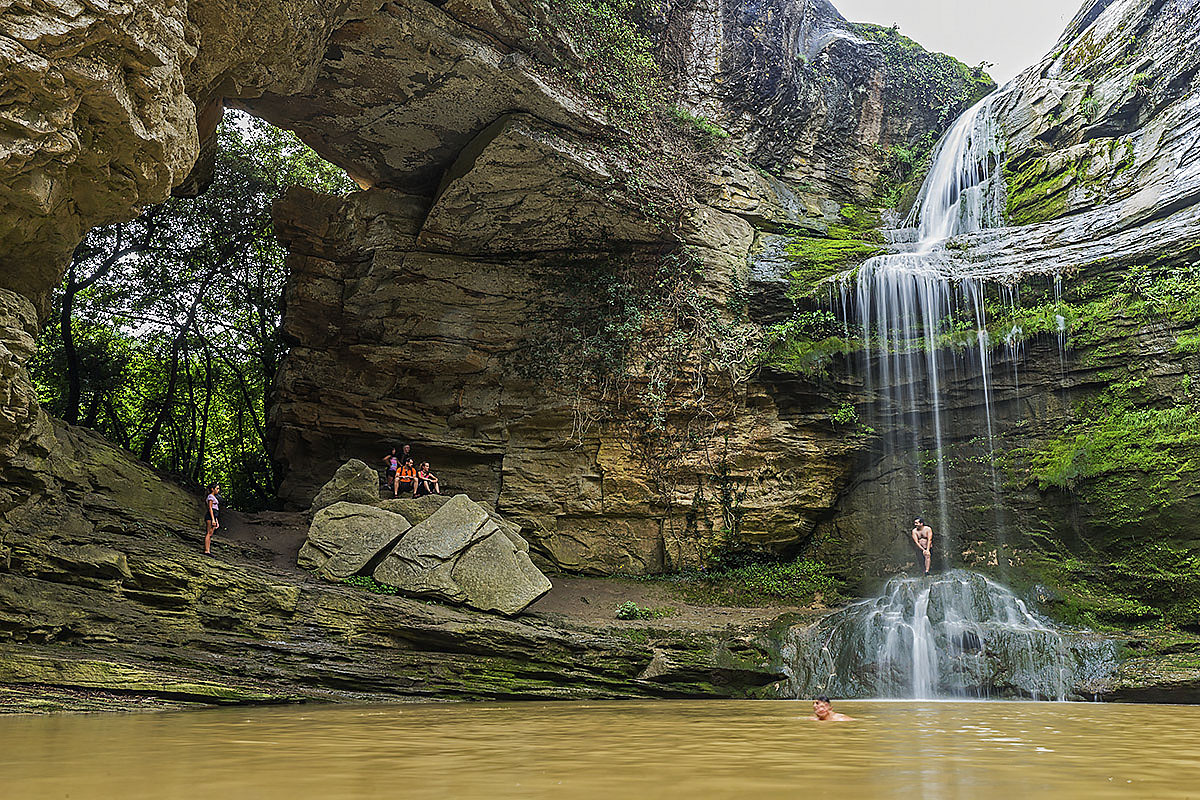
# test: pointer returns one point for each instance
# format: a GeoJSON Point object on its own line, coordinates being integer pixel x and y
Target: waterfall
{"type": "Point", "coordinates": [910, 305]}
{"type": "Point", "coordinates": [954, 635]}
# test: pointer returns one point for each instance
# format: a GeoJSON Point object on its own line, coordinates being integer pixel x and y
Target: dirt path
{"type": "Point", "coordinates": [593, 602]}
{"type": "Point", "coordinates": [275, 537]}
{"type": "Point", "coordinates": [269, 537]}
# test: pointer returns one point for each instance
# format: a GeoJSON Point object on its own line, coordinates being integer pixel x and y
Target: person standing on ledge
{"type": "Point", "coordinates": [823, 711]}
{"type": "Point", "coordinates": [212, 515]}
{"type": "Point", "coordinates": [392, 462]}
{"type": "Point", "coordinates": [922, 536]}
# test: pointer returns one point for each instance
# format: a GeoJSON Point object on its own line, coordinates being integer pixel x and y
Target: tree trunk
{"type": "Point", "coordinates": [208, 393]}
{"type": "Point", "coordinates": [93, 414]}
{"type": "Point", "coordinates": [161, 417]}
{"type": "Point", "coordinates": [118, 424]}
{"type": "Point", "coordinates": [66, 325]}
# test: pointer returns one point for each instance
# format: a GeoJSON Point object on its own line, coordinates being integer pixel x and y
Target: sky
{"type": "Point", "coordinates": [1012, 34]}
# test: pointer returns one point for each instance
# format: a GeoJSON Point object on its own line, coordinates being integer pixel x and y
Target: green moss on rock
{"type": "Point", "coordinates": [916, 76]}
{"type": "Point", "coordinates": [1036, 192]}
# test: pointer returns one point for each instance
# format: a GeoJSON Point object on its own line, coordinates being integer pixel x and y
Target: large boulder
{"type": "Point", "coordinates": [354, 482]}
{"type": "Point", "coordinates": [416, 509]}
{"type": "Point", "coordinates": [345, 537]}
{"type": "Point", "coordinates": [459, 554]}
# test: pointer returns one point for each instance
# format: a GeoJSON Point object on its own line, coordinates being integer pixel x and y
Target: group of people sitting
{"type": "Point", "coordinates": [402, 475]}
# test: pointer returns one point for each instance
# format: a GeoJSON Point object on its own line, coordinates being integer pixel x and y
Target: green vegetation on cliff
{"type": "Point", "coordinates": [746, 579]}
{"type": "Point", "coordinates": [1049, 187]}
{"type": "Point", "coordinates": [807, 343]}
{"type": "Point", "coordinates": [1111, 531]}
{"type": "Point", "coordinates": [606, 49]}
{"type": "Point", "coordinates": [918, 76]}
{"type": "Point", "coordinates": [614, 50]}
{"type": "Point", "coordinates": [1141, 583]}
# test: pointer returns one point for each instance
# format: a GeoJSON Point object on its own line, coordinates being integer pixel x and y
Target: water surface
{"type": "Point", "coordinates": [681, 750]}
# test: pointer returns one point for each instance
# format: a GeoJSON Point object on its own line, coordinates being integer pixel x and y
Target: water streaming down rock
{"type": "Point", "coordinates": [911, 305]}
{"type": "Point", "coordinates": [922, 312]}
{"type": "Point", "coordinates": [953, 635]}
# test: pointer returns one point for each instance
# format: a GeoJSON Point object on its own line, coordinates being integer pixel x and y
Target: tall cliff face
{"type": "Point", "coordinates": [813, 98]}
{"type": "Point", "coordinates": [507, 209]}
{"type": "Point", "coordinates": [1094, 338]}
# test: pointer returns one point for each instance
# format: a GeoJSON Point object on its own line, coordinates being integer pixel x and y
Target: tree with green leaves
{"type": "Point", "coordinates": [166, 335]}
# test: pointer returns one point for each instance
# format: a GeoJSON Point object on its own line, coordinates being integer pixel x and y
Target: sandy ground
{"type": "Point", "coordinates": [593, 602]}
{"type": "Point", "coordinates": [275, 537]}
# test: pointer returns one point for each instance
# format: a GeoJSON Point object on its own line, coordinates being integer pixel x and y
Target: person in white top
{"type": "Point", "coordinates": [212, 515]}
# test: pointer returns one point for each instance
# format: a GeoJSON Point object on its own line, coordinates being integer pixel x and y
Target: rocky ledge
{"type": "Point", "coordinates": [449, 549]}
{"type": "Point", "coordinates": [111, 596]}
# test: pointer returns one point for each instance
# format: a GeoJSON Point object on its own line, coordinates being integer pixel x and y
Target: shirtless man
{"type": "Point", "coordinates": [922, 536]}
{"type": "Point", "coordinates": [823, 711]}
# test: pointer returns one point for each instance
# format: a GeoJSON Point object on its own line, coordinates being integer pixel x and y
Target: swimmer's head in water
{"type": "Point", "coordinates": [821, 707]}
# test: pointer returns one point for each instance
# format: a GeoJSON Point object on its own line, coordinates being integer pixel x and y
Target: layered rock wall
{"type": "Point", "coordinates": [416, 307]}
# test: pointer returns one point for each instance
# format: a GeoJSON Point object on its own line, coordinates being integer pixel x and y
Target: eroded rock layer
{"type": "Point", "coordinates": [106, 588]}
{"type": "Point", "coordinates": [416, 308]}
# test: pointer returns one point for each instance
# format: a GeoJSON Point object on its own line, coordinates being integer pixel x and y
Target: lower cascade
{"type": "Point", "coordinates": [951, 635]}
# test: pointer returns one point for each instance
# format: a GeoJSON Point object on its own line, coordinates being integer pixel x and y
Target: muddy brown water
{"type": "Point", "coordinates": [681, 750]}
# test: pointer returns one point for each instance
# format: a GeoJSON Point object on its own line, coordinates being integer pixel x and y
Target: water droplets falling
{"type": "Point", "coordinates": [955, 635]}
{"type": "Point", "coordinates": [923, 318]}
{"type": "Point", "coordinates": [910, 305]}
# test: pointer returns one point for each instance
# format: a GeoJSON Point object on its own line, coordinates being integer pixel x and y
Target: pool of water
{"type": "Point", "coordinates": [672, 749]}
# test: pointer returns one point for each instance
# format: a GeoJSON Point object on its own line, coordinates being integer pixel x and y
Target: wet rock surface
{"type": "Point", "coordinates": [951, 635]}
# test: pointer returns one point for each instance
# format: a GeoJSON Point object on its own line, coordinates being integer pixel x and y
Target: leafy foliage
{"type": "Point", "coordinates": [615, 50]}
{"type": "Point", "coordinates": [700, 125]}
{"type": "Point", "coordinates": [369, 584]}
{"type": "Point", "coordinates": [925, 79]}
{"type": "Point", "coordinates": [747, 581]}
{"type": "Point", "coordinates": [167, 336]}
{"type": "Point", "coordinates": [806, 343]}
{"type": "Point", "coordinates": [631, 610]}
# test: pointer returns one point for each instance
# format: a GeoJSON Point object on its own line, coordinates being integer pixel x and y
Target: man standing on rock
{"type": "Point", "coordinates": [922, 536]}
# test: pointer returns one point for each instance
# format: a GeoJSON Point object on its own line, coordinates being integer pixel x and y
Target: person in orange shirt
{"type": "Point", "coordinates": [406, 476]}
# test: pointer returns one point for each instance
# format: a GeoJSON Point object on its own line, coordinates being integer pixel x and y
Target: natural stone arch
{"type": "Point", "coordinates": [429, 103]}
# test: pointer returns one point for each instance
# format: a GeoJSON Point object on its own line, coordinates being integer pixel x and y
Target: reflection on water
{"type": "Point", "coordinates": [677, 750]}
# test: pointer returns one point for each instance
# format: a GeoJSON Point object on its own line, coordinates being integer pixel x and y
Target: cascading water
{"type": "Point", "coordinates": [954, 635]}
{"type": "Point", "coordinates": [908, 305]}
{"type": "Point", "coordinates": [958, 633]}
